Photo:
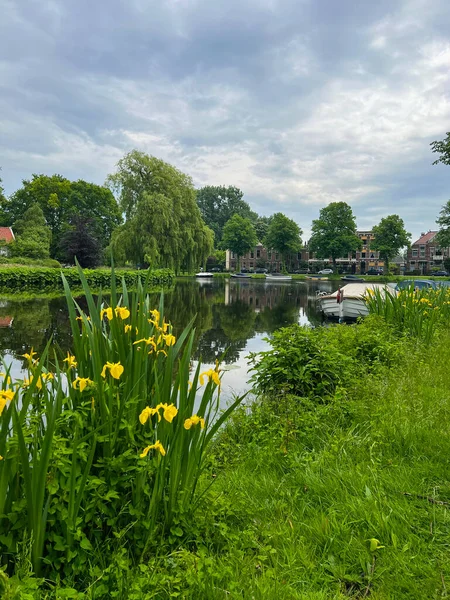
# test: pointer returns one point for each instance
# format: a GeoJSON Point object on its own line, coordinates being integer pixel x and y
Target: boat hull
{"type": "Point", "coordinates": [278, 278]}
{"type": "Point", "coordinates": [352, 308]}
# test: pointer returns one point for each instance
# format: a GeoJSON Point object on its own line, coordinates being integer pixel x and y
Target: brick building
{"type": "Point", "coordinates": [425, 254]}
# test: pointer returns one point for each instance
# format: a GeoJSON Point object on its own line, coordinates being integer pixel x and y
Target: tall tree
{"type": "Point", "coordinates": [163, 224]}
{"type": "Point", "coordinates": [218, 204]}
{"type": "Point", "coordinates": [239, 236]}
{"type": "Point", "coordinates": [262, 227]}
{"type": "Point", "coordinates": [283, 235]}
{"type": "Point", "coordinates": [81, 241]}
{"type": "Point", "coordinates": [443, 235]}
{"type": "Point", "coordinates": [442, 147]}
{"type": "Point", "coordinates": [390, 237]}
{"type": "Point", "coordinates": [32, 235]}
{"type": "Point", "coordinates": [60, 200]}
{"type": "Point", "coordinates": [334, 232]}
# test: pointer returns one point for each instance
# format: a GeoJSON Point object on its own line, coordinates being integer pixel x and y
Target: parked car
{"type": "Point", "coordinates": [354, 278]}
{"type": "Point", "coordinates": [375, 271]}
{"type": "Point", "coordinates": [439, 274]}
{"type": "Point", "coordinates": [326, 272]}
{"type": "Point", "coordinates": [216, 270]}
{"type": "Point", "coordinates": [417, 284]}
{"type": "Point", "coordinates": [261, 271]}
{"type": "Point", "coordinates": [302, 272]}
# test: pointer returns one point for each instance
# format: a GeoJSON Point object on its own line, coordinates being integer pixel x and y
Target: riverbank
{"type": "Point", "coordinates": [335, 486]}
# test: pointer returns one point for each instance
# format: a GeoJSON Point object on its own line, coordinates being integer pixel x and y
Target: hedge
{"type": "Point", "coordinates": [41, 279]}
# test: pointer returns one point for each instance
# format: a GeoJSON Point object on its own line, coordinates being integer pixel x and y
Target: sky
{"type": "Point", "coordinates": [299, 103]}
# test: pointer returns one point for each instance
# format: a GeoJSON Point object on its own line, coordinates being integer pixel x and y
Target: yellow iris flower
{"type": "Point", "coordinates": [170, 411]}
{"type": "Point", "coordinates": [108, 312]}
{"type": "Point", "coordinates": [127, 328]}
{"type": "Point", "coordinates": [71, 361]}
{"type": "Point", "coordinates": [29, 356]}
{"type": "Point", "coordinates": [122, 312]}
{"type": "Point", "coordinates": [212, 375]}
{"type": "Point", "coordinates": [169, 339]}
{"type": "Point", "coordinates": [156, 446]}
{"type": "Point", "coordinates": [194, 420]}
{"type": "Point", "coordinates": [115, 370]}
{"type": "Point", "coordinates": [81, 383]}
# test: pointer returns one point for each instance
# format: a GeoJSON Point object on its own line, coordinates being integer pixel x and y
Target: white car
{"type": "Point", "coordinates": [326, 272]}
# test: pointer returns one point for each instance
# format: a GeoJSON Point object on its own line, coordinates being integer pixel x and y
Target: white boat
{"type": "Point", "coordinates": [204, 274]}
{"type": "Point", "coordinates": [348, 301]}
{"type": "Point", "coordinates": [277, 277]}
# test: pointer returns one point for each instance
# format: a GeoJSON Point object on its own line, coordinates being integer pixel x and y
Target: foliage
{"type": "Point", "coordinates": [415, 312]}
{"type": "Point", "coordinates": [283, 235]}
{"type": "Point", "coordinates": [107, 443]}
{"type": "Point", "coordinates": [218, 204]}
{"type": "Point", "coordinates": [42, 279]}
{"type": "Point", "coordinates": [239, 236]}
{"type": "Point", "coordinates": [60, 201]}
{"type": "Point", "coordinates": [390, 237]}
{"type": "Point", "coordinates": [32, 235]}
{"type": "Point", "coordinates": [164, 226]}
{"type": "Point", "coordinates": [314, 363]}
{"type": "Point", "coordinates": [443, 236]}
{"type": "Point", "coordinates": [442, 147]}
{"type": "Point", "coordinates": [262, 227]}
{"type": "Point", "coordinates": [25, 261]}
{"type": "Point", "coordinates": [334, 232]}
{"type": "Point", "coordinates": [80, 242]}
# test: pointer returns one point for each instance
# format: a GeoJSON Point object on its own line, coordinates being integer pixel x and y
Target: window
{"type": "Point", "coordinates": [258, 253]}
{"type": "Point", "coordinates": [251, 264]}
{"type": "Point", "coordinates": [414, 252]}
{"type": "Point", "coordinates": [252, 254]}
{"type": "Point", "coordinates": [413, 262]}
{"type": "Point", "coordinates": [422, 251]}
{"type": "Point", "coordinates": [363, 255]}
{"type": "Point", "coordinates": [276, 256]}
{"type": "Point", "coordinates": [232, 255]}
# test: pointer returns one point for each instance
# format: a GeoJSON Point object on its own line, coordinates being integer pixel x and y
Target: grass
{"type": "Point", "coordinates": [309, 501]}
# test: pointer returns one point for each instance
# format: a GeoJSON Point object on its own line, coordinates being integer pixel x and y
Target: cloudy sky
{"type": "Point", "coordinates": [297, 102]}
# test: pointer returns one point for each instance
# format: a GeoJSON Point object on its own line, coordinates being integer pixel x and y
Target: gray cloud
{"type": "Point", "coordinates": [299, 103]}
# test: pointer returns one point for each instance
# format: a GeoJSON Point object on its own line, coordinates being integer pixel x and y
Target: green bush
{"type": "Point", "coordinates": [44, 279]}
{"type": "Point", "coordinates": [314, 362]}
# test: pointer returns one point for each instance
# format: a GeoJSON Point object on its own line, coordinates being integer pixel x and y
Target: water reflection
{"type": "Point", "coordinates": [232, 318]}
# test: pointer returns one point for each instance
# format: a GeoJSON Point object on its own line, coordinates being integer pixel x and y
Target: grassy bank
{"type": "Point", "coordinates": [333, 485]}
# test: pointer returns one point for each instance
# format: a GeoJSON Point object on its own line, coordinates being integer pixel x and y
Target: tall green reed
{"type": "Point", "coordinates": [106, 445]}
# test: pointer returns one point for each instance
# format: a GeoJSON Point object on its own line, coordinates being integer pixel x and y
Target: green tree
{"type": "Point", "coordinates": [443, 235]}
{"type": "Point", "coordinates": [390, 237]}
{"type": "Point", "coordinates": [262, 227]}
{"type": "Point", "coordinates": [60, 200]}
{"type": "Point", "coordinates": [239, 236]}
{"type": "Point", "coordinates": [163, 222]}
{"type": "Point", "coordinates": [283, 235]}
{"type": "Point", "coordinates": [32, 235]}
{"type": "Point", "coordinates": [442, 147]}
{"type": "Point", "coordinates": [334, 232]}
{"type": "Point", "coordinates": [218, 204]}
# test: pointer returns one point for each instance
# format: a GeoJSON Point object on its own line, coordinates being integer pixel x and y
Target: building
{"type": "Point", "coordinates": [425, 255]}
{"type": "Point", "coordinates": [262, 258]}
{"type": "Point", "coordinates": [367, 258]}
{"type": "Point", "coordinates": [6, 237]}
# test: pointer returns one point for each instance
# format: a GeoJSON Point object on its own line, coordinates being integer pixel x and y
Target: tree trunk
{"type": "Point", "coordinates": [238, 270]}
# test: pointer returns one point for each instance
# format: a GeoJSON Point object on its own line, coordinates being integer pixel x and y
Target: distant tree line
{"type": "Point", "coordinates": [149, 213]}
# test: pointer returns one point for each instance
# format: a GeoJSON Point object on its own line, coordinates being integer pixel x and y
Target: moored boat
{"type": "Point", "coordinates": [241, 275]}
{"type": "Point", "coordinates": [278, 277]}
{"type": "Point", "coordinates": [204, 274]}
{"type": "Point", "coordinates": [348, 302]}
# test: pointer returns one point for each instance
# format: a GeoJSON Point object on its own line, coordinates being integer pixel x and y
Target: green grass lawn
{"type": "Point", "coordinates": [302, 492]}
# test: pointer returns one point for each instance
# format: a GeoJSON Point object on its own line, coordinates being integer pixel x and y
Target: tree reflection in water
{"type": "Point", "coordinates": [227, 314]}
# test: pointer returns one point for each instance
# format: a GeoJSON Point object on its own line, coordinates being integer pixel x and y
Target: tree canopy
{"type": "Point", "coordinates": [32, 234]}
{"type": "Point", "coordinates": [442, 147]}
{"type": "Point", "coordinates": [80, 241]}
{"type": "Point", "coordinates": [239, 236]}
{"type": "Point", "coordinates": [283, 235]}
{"type": "Point", "coordinates": [262, 227]}
{"type": "Point", "coordinates": [443, 235]}
{"type": "Point", "coordinates": [390, 237]}
{"type": "Point", "coordinates": [163, 224]}
{"type": "Point", "coordinates": [60, 200]}
{"type": "Point", "coordinates": [334, 232]}
{"type": "Point", "coordinates": [218, 204]}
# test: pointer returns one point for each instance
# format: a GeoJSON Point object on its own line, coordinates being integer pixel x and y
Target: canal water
{"type": "Point", "coordinates": [232, 318]}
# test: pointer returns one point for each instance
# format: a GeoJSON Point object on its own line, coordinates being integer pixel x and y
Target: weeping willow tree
{"type": "Point", "coordinates": [163, 224]}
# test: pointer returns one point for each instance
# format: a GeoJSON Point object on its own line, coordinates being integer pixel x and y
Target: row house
{"type": "Point", "coordinates": [425, 254]}
{"type": "Point", "coordinates": [260, 257]}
